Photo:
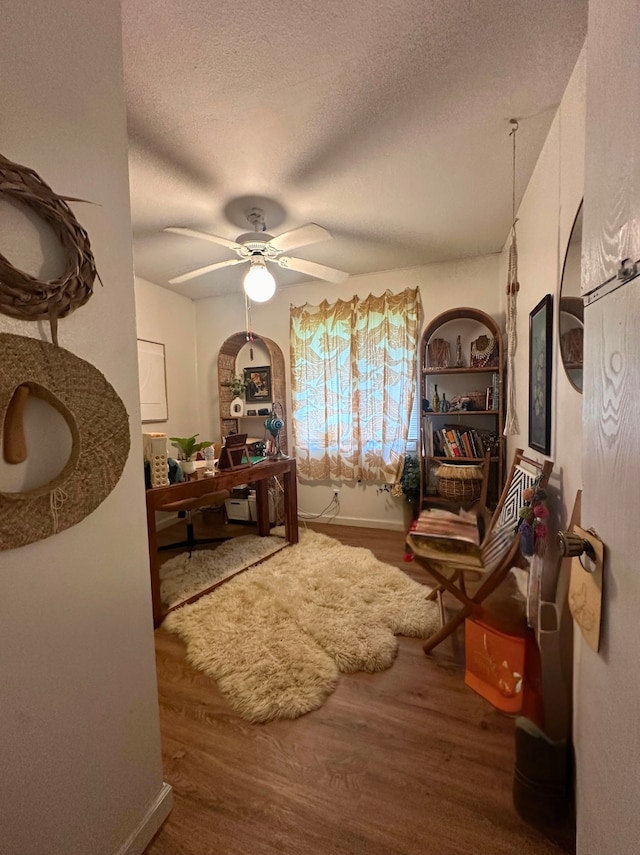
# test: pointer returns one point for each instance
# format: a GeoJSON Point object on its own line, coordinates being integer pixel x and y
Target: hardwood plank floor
{"type": "Point", "coordinates": [405, 762]}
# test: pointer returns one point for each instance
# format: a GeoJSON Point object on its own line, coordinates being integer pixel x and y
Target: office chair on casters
{"type": "Point", "coordinates": [189, 506]}
{"type": "Point", "coordinates": [499, 550]}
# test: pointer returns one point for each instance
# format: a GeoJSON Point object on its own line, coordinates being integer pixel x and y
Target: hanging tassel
{"type": "Point", "coordinates": [526, 539]}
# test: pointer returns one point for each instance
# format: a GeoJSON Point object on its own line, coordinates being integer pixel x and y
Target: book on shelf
{"type": "Point", "coordinates": [447, 536]}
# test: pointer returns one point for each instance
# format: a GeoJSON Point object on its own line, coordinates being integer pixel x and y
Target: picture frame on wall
{"type": "Point", "coordinates": [152, 378]}
{"type": "Point", "coordinates": [540, 365]}
{"type": "Point", "coordinates": [258, 382]}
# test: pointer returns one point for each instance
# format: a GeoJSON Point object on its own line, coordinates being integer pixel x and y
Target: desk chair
{"type": "Point", "coordinates": [188, 506]}
{"type": "Point", "coordinates": [500, 550]}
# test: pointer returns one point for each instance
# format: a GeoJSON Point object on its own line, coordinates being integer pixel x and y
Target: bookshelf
{"type": "Point", "coordinates": [462, 357]}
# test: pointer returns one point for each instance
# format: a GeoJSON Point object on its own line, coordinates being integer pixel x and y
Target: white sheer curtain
{"type": "Point", "coordinates": [353, 367]}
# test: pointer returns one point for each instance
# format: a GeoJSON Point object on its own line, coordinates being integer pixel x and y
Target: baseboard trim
{"type": "Point", "coordinates": [360, 522]}
{"type": "Point", "coordinates": [150, 823]}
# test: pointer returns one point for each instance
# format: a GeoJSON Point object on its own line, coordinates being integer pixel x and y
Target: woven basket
{"type": "Point", "coordinates": [479, 399]}
{"type": "Point", "coordinates": [460, 483]}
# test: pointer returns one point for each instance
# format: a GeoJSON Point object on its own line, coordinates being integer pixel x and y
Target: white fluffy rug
{"type": "Point", "coordinates": [275, 638]}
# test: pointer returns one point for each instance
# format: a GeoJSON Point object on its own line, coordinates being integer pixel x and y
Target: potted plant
{"type": "Point", "coordinates": [409, 485]}
{"type": "Point", "coordinates": [237, 384]}
{"type": "Point", "coordinates": [188, 447]}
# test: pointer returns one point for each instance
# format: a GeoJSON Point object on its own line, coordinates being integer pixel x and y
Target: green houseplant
{"type": "Point", "coordinates": [410, 479]}
{"type": "Point", "coordinates": [237, 384]}
{"type": "Point", "coordinates": [409, 485]}
{"type": "Point", "coordinates": [189, 447]}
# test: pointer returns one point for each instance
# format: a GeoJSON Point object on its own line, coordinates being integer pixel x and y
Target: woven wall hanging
{"type": "Point", "coordinates": [99, 427]}
{"type": "Point", "coordinates": [23, 296]}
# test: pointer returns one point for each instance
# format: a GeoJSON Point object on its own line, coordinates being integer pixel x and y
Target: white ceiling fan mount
{"type": "Point", "coordinates": [260, 244]}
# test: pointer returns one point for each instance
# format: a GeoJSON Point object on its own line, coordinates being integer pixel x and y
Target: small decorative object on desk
{"type": "Point", "coordinates": [439, 353]}
{"type": "Point", "coordinates": [484, 353]}
{"type": "Point", "coordinates": [155, 451]}
{"type": "Point", "coordinates": [209, 459]}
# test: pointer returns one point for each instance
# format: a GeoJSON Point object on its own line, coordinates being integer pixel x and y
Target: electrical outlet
{"type": "Point", "coordinates": [336, 491]}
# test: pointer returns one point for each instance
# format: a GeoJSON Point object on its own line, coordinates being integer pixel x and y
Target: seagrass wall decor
{"type": "Point", "coordinates": [99, 426]}
{"type": "Point", "coordinates": [23, 296]}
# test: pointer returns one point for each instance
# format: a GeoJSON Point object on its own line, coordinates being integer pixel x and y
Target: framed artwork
{"type": "Point", "coordinates": [540, 355]}
{"type": "Point", "coordinates": [152, 378]}
{"type": "Point", "coordinates": [258, 382]}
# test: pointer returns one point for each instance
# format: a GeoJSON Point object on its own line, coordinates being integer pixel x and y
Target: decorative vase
{"type": "Point", "coordinates": [444, 405]}
{"type": "Point", "coordinates": [188, 466]}
{"type": "Point", "coordinates": [236, 407]}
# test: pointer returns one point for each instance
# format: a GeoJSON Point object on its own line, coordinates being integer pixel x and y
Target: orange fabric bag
{"type": "Point", "coordinates": [495, 665]}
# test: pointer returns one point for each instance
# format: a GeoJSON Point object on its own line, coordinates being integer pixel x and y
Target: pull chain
{"type": "Point", "coordinates": [247, 319]}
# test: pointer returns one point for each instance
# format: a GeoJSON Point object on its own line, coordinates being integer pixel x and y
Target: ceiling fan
{"type": "Point", "coordinates": [258, 247]}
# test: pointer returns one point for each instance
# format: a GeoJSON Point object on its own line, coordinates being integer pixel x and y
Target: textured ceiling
{"type": "Point", "coordinates": [385, 121]}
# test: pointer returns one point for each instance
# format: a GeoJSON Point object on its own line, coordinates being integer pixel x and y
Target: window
{"type": "Point", "coordinates": [353, 367]}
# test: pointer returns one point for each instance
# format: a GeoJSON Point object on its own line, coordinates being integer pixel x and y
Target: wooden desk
{"type": "Point", "coordinates": [199, 484]}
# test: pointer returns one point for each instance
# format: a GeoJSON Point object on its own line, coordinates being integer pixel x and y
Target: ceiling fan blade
{"type": "Point", "coordinates": [320, 271]}
{"type": "Point", "coordinates": [230, 244]}
{"type": "Point", "coordinates": [303, 236]}
{"type": "Point", "coordinates": [185, 277]}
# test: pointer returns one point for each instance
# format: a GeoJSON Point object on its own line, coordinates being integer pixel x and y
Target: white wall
{"type": "Point", "coordinates": [545, 219]}
{"type": "Point", "coordinates": [80, 748]}
{"type": "Point", "coordinates": [170, 319]}
{"type": "Point", "coordinates": [471, 282]}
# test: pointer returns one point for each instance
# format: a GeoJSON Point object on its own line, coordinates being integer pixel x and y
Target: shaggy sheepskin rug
{"type": "Point", "coordinates": [277, 637]}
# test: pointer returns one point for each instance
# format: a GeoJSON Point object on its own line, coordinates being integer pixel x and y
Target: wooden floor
{"type": "Point", "coordinates": [405, 762]}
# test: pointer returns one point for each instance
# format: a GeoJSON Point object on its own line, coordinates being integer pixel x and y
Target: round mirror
{"type": "Point", "coordinates": [571, 316]}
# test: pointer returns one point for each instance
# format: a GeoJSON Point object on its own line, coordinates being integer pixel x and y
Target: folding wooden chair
{"type": "Point", "coordinates": [500, 550]}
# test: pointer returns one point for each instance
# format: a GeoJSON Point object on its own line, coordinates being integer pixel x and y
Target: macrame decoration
{"type": "Point", "coordinates": [23, 296]}
{"type": "Point", "coordinates": [511, 426]}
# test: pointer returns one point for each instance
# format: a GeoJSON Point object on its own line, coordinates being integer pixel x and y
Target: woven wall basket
{"type": "Point", "coordinates": [99, 427]}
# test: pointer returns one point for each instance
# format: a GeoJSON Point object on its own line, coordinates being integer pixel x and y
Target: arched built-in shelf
{"type": "Point", "coordinates": [227, 368]}
{"type": "Point", "coordinates": [453, 380]}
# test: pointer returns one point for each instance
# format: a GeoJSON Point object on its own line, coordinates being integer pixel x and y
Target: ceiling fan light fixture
{"type": "Point", "coordinates": [259, 284]}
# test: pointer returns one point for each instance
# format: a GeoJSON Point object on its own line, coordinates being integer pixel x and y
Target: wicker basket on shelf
{"type": "Point", "coordinates": [459, 482]}
{"type": "Point", "coordinates": [479, 399]}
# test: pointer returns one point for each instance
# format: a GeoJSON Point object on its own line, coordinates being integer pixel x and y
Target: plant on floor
{"type": "Point", "coordinates": [409, 483]}
{"type": "Point", "coordinates": [188, 445]}
{"type": "Point", "coordinates": [237, 384]}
